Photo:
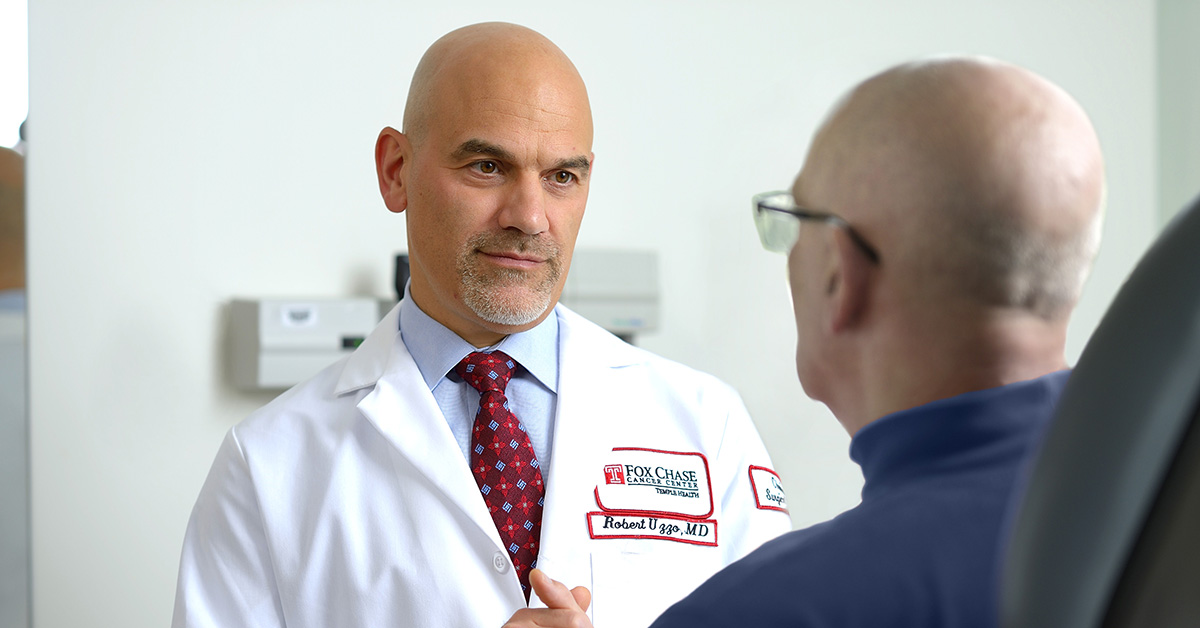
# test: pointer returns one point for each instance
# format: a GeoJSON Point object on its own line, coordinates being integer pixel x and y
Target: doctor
{"type": "Point", "coordinates": [480, 430]}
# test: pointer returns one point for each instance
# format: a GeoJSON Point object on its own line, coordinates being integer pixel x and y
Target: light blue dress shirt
{"type": "Point", "coordinates": [532, 393]}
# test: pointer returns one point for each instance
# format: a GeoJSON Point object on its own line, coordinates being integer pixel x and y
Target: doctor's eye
{"type": "Point", "coordinates": [562, 177]}
{"type": "Point", "coordinates": [486, 167]}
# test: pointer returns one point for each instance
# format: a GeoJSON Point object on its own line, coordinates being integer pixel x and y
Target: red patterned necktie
{"type": "Point", "coordinates": [502, 459]}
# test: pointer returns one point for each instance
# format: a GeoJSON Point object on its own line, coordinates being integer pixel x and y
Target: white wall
{"type": "Point", "coordinates": [189, 152]}
{"type": "Point", "coordinates": [14, 69]}
{"type": "Point", "coordinates": [1178, 104]}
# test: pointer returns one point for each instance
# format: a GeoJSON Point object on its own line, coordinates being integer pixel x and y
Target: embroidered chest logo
{"type": "Point", "coordinates": [664, 480]}
{"type": "Point", "coordinates": [654, 494]}
{"type": "Point", "coordinates": [650, 481]}
{"type": "Point", "coordinates": [614, 474]}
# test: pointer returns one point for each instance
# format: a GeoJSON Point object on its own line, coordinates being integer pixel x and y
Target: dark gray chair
{"type": "Point", "coordinates": [1107, 534]}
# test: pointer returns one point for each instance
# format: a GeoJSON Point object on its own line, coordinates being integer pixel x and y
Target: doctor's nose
{"type": "Point", "coordinates": [524, 207]}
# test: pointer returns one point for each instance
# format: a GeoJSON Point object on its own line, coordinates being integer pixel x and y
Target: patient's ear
{"type": "Point", "coordinates": [392, 150]}
{"type": "Point", "coordinates": [850, 282]}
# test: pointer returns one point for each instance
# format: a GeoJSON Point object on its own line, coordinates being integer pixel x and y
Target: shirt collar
{"type": "Point", "coordinates": [896, 446]}
{"type": "Point", "coordinates": [437, 350]}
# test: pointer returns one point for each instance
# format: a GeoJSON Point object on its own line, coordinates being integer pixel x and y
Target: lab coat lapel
{"type": "Point", "coordinates": [589, 361]}
{"type": "Point", "coordinates": [404, 411]}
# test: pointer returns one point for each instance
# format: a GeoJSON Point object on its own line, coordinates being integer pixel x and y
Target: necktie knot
{"type": "Point", "coordinates": [486, 372]}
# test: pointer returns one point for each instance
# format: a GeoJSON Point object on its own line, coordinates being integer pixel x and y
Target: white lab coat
{"type": "Point", "coordinates": [347, 501]}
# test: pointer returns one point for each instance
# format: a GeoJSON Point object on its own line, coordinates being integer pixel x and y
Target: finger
{"type": "Point", "coordinates": [583, 597]}
{"type": "Point", "coordinates": [552, 592]}
{"type": "Point", "coordinates": [548, 618]}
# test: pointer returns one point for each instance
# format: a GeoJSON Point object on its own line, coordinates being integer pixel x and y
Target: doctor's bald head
{"type": "Point", "coordinates": [491, 172]}
{"type": "Point", "coordinates": [475, 60]}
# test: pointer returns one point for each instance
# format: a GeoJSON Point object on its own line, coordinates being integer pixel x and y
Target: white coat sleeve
{"type": "Point", "coordinates": [226, 576]}
{"type": "Point", "coordinates": [746, 525]}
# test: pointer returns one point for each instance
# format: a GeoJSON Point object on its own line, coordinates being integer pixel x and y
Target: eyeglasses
{"type": "Point", "coordinates": [778, 220]}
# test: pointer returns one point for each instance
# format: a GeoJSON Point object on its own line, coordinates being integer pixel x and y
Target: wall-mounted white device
{"type": "Point", "coordinates": [277, 343]}
{"type": "Point", "coordinates": [616, 289]}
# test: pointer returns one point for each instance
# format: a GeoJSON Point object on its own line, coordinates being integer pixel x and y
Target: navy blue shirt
{"type": "Point", "coordinates": [921, 550]}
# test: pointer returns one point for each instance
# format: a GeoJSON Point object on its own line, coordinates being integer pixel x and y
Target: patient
{"type": "Point", "coordinates": [938, 236]}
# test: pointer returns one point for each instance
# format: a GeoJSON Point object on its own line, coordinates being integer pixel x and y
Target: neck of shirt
{"type": "Point", "coordinates": [532, 392]}
{"type": "Point", "coordinates": [958, 431]}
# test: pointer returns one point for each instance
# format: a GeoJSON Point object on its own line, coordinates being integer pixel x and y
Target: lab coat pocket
{"type": "Point", "coordinates": [634, 581]}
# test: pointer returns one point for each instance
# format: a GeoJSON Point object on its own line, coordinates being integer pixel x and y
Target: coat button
{"type": "Point", "coordinates": [500, 562]}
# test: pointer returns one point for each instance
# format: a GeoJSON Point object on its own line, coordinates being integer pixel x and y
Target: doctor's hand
{"type": "Point", "coordinates": [566, 609]}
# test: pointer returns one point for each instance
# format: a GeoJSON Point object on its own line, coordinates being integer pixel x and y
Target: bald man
{"type": "Point", "coordinates": [941, 229]}
{"type": "Point", "coordinates": [481, 430]}
{"type": "Point", "coordinates": [938, 237]}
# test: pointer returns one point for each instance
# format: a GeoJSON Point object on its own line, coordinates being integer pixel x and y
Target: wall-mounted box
{"type": "Point", "coordinates": [616, 289]}
{"type": "Point", "coordinates": [277, 343]}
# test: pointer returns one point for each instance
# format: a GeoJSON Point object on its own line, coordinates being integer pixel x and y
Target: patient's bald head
{"type": "Point", "coordinates": [980, 181]}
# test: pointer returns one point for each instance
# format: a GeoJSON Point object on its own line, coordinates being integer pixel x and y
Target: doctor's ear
{"type": "Point", "coordinates": [849, 282]}
{"type": "Point", "coordinates": [392, 151]}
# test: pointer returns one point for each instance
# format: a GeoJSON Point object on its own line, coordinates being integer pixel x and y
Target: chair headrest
{"type": "Point", "coordinates": [1119, 422]}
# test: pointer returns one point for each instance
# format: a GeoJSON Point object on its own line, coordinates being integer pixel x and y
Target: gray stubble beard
{"type": "Point", "coordinates": [483, 291]}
